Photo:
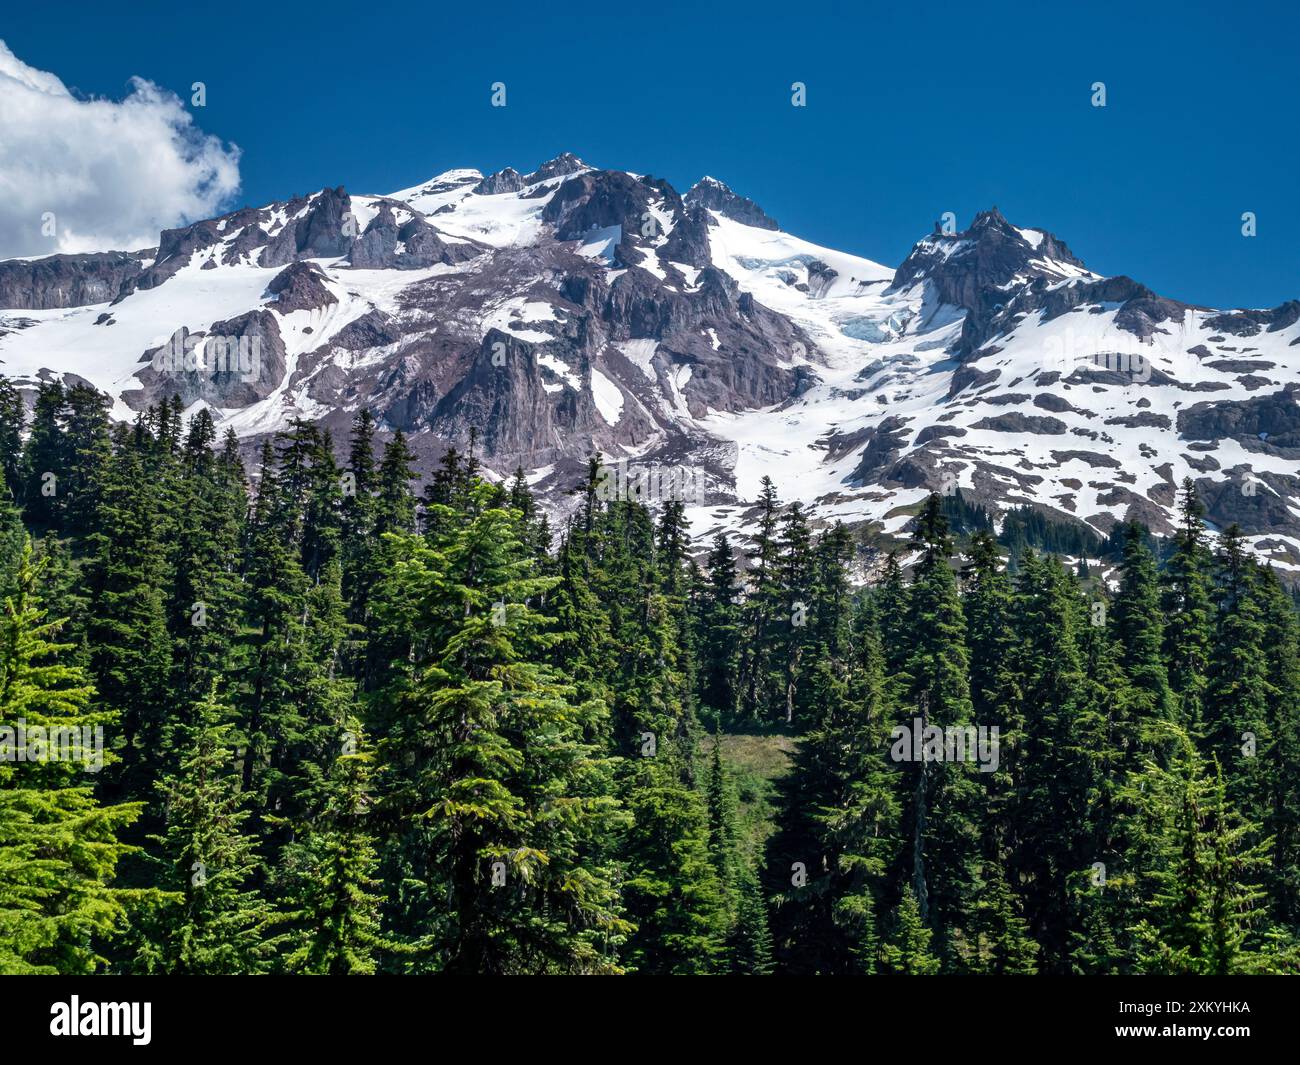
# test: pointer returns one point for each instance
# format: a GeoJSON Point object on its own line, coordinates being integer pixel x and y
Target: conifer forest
{"type": "Point", "coordinates": [313, 714]}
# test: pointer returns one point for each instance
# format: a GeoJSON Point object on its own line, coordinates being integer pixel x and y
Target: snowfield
{"type": "Point", "coordinates": [1073, 409]}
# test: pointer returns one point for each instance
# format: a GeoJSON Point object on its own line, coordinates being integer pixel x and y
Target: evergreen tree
{"type": "Point", "coordinates": [762, 610]}
{"type": "Point", "coordinates": [13, 419]}
{"type": "Point", "coordinates": [722, 826]}
{"type": "Point", "coordinates": [1205, 890]}
{"type": "Point", "coordinates": [331, 883]}
{"type": "Point", "coordinates": [719, 639]}
{"type": "Point", "coordinates": [509, 806]}
{"type": "Point", "coordinates": [1002, 945]}
{"type": "Point", "coordinates": [45, 459]}
{"type": "Point", "coordinates": [1139, 630]}
{"type": "Point", "coordinates": [939, 808]}
{"type": "Point", "coordinates": [205, 608]}
{"type": "Point", "coordinates": [1236, 714]}
{"type": "Point", "coordinates": [126, 624]}
{"type": "Point", "coordinates": [59, 846]}
{"type": "Point", "coordinates": [1187, 610]}
{"type": "Point", "coordinates": [221, 924]}
{"type": "Point", "coordinates": [907, 950]}
{"type": "Point", "coordinates": [673, 895]}
{"type": "Point", "coordinates": [751, 939]}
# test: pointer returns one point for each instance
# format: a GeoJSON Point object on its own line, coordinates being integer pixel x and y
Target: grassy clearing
{"type": "Point", "coordinates": [754, 764]}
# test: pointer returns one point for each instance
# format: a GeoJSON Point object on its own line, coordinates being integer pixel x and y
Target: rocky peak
{"type": "Point", "coordinates": [983, 267]}
{"type": "Point", "coordinates": [561, 166]}
{"type": "Point", "coordinates": [715, 196]}
{"type": "Point", "coordinates": [597, 199]}
{"type": "Point", "coordinates": [507, 180]}
{"type": "Point", "coordinates": [510, 180]}
{"type": "Point", "coordinates": [318, 234]}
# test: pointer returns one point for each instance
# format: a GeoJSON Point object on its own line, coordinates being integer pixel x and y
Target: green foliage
{"type": "Point", "coordinates": [907, 950]}
{"type": "Point", "coordinates": [59, 846]}
{"type": "Point", "coordinates": [451, 739]}
{"type": "Point", "coordinates": [220, 924]}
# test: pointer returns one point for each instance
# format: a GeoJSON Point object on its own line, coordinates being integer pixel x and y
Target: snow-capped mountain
{"type": "Point", "coordinates": [574, 309]}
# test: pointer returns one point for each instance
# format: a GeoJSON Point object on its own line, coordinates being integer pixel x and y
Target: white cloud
{"type": "Point", "coordinates": [112, 173]}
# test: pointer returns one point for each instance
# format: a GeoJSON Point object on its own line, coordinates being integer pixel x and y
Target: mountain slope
{"type": "Point", "coordinates": [574, 309]}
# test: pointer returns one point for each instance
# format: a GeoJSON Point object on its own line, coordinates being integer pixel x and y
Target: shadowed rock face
{"type": "Point", "coordinates": [411, 245]}
{"type": "Point", "coordinates": [997, 275]}
{"type": "Point", "coordinates": [599, 200]}
{"type": "Point", "coordinates": [510, 180]}
{"type": "Point", "coordinates": [715, 196]}
{"type": "Point", "coordinates": [300, 287]}
{"type": "Point", "coordinates": [503, 395]}
{"type": "Point", "coordinates": [1267, 423]}
{"type": "Point", "coordinates": [67, 280]}
{"type": "Point", "coordinates": [969, 268]}
{"type": "Point", "coordinates": [318, 234]}
{"type": "Point", "coordinates": [1251, 323]}
{"type": "Point", "coordinates": [232, 364]}
{"type": "Point", "coordinates": [1256, 502]}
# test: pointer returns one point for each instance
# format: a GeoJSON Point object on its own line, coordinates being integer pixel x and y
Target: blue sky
{"type": "Point", "coordinates": [913, 110]}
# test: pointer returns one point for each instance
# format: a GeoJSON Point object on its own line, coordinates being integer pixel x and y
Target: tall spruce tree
{"type": "Point", "coordinates": [509, 806]}
{"type": "Point", "coordinates": [220, 923]}
{"type": "Point", "coordinates": [1187, 610]}
{"type": "Point", "coordinates": [60, 847]}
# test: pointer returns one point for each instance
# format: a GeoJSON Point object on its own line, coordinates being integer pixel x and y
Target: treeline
{"type": "Point", "coordinates": [353, 728]}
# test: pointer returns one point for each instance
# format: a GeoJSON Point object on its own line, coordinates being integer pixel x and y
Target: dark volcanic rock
{"type": "Point", "coordinates": [969, 376]}
{"type": "Point", "coordinates": [1049, 401]}
{"type": "Point", "coordinates": [510, 180]}
{"type": "Point", "coordinates": [300, 287]}
{"type": "Point", "coordinates": [689, 241]}
{"type": "Point", "coordinates": [973, 269]}
{"type": "Point", "coordinates": [1092, 458]}
{"type": "Point", "coordinates": [1249, 323]}
{"type": "Point", "coordinates": [884, 442]}
{"type": "Point", "coordinates": [1277, 416]}
{"type": "Point", "coordinates": [234, 364]}
{"type": "Point", "coordinates": [176, 248]}
{"type": "Point", "coordinates": [937, 432]}
{"type": "Point", "coordinates": [561, 166]}
{"type": "Point", "coordinates": [597, 200]}
{"type": "Point", "coordinates": [507, 180]}
{"type": "Point", "coordinates": [714, 195]}
{"type": "Point", "coordinates": [1240, 365]}
{"type": "Point", "coordinates": [1256, 502]}
{"type": "Point", "coordinates": [998, 277]}
{"type": "Point", "coordinates": [1145, 419]}
{"type": "Point", "coordinates": [503, 397]}
{"type": "Point", "coordinates": [413, 245]}
{"type": "Point", "coordinates": [372, 330]}
{"type": "Point", "coordinates": [325, 231]}
{"type": "Point", "coordinates": [1022, 423]}
{"type": "Point", "coordinates": [67, 280]}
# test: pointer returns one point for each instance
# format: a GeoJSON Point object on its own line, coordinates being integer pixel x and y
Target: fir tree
{"type": "Point", "coordinates": [509, 806]}
{"type": "Point", "coordinates": [221, 924]}
{"type": "Point", "coordinates": [45, 459]}
{"type": "Point", "coordinates": [59, 846]}
{"type": "Point", "coordinates": [720, 619]}
{"type": "Point", "coordinates": [330, 879]}
{"type": "Point", "coordinates": [1205, 891]}
{"type": "Point", "coordinates": [673, 895]}
{"type": "Point", "coordinates": [1138, 628]}
{"type": "Point", "coordinates": [1187, 610]}
{"type": "Point", "coordinates": [751, 939]}
{"type": "Point", "coordinates": [906, 952]}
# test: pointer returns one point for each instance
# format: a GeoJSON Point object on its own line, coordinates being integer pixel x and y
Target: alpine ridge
{"type": "Point", "coordinates": [574, 309]}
